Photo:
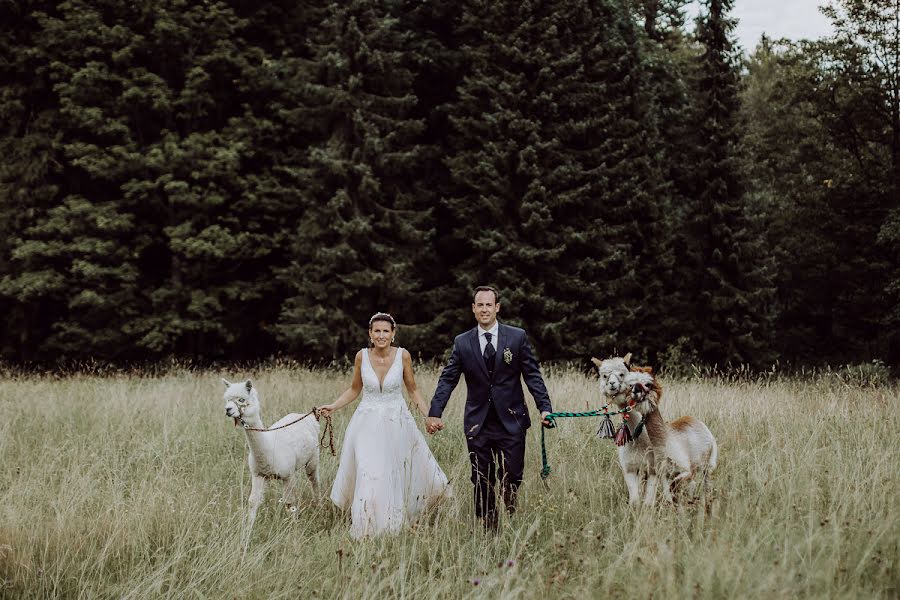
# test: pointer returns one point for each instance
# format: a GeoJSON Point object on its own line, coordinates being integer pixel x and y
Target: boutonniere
{"type": "Point", "coordinates": [507, 355]}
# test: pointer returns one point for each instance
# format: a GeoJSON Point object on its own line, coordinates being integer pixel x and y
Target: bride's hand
{"type": "Point", "coordinates": [326, 410]}
{"type": "Point", "coordinates": [433, 424]}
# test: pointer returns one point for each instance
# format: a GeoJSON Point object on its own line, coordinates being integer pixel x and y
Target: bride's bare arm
{"type": "Point", "coordinates": [409, 378]}
{"type": "Point", "coordinates": [351, 393]}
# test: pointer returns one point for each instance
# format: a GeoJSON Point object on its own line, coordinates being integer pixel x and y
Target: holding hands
{"type": "Point", "coordinates": [433, 424]}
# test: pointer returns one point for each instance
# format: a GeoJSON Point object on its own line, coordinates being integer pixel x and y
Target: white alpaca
{"type": "Point", "coordinates": [683, 447]}
{"type": "Point", "coordinates": [277, 453]}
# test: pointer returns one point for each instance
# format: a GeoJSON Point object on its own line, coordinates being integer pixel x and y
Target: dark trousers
{"type": "Point", "coordinates": [496, 455]}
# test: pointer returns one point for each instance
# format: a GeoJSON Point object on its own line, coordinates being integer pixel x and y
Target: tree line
{"type": "Point", "coordinates": [231, 180]}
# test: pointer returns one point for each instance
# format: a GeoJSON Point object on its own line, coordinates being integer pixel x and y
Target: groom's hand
{"type": "Point", "coordinates": [433, 424]}
{"type": "Point", "coordinates": [545, 421]}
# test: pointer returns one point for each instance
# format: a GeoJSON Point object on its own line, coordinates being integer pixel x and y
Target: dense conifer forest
{"type": "Point", "coordinates": [234, 180]}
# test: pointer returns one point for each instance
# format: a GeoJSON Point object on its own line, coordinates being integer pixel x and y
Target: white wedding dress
{"type": "Point", "coordinates": [387, 475]}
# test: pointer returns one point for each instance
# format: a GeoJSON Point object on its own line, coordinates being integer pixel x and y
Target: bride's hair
{"type": "Point", "coordinates": [381, 316]}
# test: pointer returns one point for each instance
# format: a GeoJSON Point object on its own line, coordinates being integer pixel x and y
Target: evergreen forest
{"type": "Point", "coordinates": [234, 180]}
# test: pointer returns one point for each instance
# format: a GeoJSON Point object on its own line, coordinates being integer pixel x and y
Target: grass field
{"type": "Point", "coordinates": [134, 487]}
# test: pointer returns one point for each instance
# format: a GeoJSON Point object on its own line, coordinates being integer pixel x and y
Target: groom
{"type": "Point", "coordinates": [493, 357]}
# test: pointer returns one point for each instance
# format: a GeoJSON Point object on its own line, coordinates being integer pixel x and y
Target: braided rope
{"type": "Point", "coordinates": [327, 430]}
{"type": "Point", "coordinates": [601, 412]}
{"type": "Point", "coordinates": [248, 428]}
{"type": "Point", "coordinates": [330, 431]}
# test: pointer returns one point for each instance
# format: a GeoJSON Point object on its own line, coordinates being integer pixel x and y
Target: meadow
{"type": "Point", "coordinates": [130, 486]}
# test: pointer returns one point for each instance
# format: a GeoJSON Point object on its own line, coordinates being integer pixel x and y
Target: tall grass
{"type": "Point", "coordinates": [134, 487]}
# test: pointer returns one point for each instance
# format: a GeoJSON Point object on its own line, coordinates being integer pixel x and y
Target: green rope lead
{"type": "Point", "coordinates": [545, 471]}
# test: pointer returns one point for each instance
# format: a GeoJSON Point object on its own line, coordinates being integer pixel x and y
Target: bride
{"type": "Point", "coordinates": [387, 474]}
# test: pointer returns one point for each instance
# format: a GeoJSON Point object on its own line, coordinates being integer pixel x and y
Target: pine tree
{"type": "Point", "coordinates": [782, 146]}
{"type": "Point", "coordinates": [866, 54]}
{"type": "Point", "coordinates": [434, 56]}
{"type": "Point", "coordinates": [177, 152]}
{"type": "Point", "coordinates": [731, 274]}
{"type": "Point", "coordinates": [555, 183]}
{"type": "Point", "coordinates": [71, 254]}
{"type": "Point", "coordinates": [224, 177]}
{"type": "Point", "coordinates": [32, 293]}
{"type": "Point", "coordinates": [668, 58]}
{"type": "Point", "coordinates": [363, 225]}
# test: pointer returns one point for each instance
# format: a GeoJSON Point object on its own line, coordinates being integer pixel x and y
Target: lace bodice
{"type": "Point", "coordinates": [389, 390]}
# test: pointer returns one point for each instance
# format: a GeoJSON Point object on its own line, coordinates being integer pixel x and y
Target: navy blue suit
{"type": "Point", "coordinates": [496, 417]}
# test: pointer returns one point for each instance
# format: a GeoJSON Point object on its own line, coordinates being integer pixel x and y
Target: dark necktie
{"type": "Point", "coordinates": [489, 354]}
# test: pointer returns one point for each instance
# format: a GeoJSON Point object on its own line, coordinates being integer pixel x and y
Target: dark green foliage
{"type": "Point", "coordinates": [353, 251]}
{"type": "Point", "coordinates": [727, 283]}
{"type": "Point", "coordinates": [668, 124]}
{"type": "Point", "coordinates": [791, 184]}
{"type": "Point", "coordinates": [30, 176]}
{"type": "Point", "coordinates": [433, 54]}
{"type": "Point", "coordinates": [823, 133]}
{"type": "Point", "coordinates": [235, 179]}
{"type": "Point", "coordinates": [555, 192]}
{"type": "Point", "coordinates": [864, 116]}
{"type": "Point", "coordinates": [158, 239]}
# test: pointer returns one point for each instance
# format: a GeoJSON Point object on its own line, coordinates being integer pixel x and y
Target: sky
{"type": "Point", "coordinates": [794, 19]}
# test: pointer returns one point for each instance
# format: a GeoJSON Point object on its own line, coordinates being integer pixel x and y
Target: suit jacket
{"type": "Point", "coordinates": [514, 360]}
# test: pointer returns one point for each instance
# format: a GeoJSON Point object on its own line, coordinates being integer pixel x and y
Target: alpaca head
{"type": "Point", "coordinates": [241, 401]}
{"type": "Point", "coordinates": [612, 372]}
{"type": "Point", "coordinates": [642, 389]}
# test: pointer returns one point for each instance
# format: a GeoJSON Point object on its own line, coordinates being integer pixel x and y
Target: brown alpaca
{"type": "Point", "coordinates": [683, 447]}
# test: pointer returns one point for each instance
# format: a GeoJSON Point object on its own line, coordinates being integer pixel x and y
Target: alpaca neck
{"type": "Point", "coordinates": [655, 427]}
{"type": "Point", "coordinates": [259, 441]}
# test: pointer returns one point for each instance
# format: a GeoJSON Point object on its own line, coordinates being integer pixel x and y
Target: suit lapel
{"type": "Point", "coordinates": [476, 349]}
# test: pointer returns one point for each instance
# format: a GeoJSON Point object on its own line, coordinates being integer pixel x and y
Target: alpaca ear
{"type": "Point", "coordinates": [226, 382]}
{"type": "Point", "coordinates": [249, 385]}
{"type": "Point", "coordinates": [596, 361]}
{"type": "Point", "coordinates": [627, 360]}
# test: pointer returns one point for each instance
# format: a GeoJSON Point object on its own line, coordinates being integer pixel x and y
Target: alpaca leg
{"type": "Point", "coordinates": [685, 474]}
{"type": "Point", "coordinates": [679, 480]}
{"type": "Point", "coordinates": [257, 492]}
{"type": "Point", "coordinates": [650, 491]}
{"type": "Point", "coordinates": [680, 463]}
{"type": "Point", "coordinates": [666, 489]}
{"type": "Point", "coordinates": [711, 461]}
{"type": "Point", "coordinates": [633, 483]}
{"type": "Point", "coordinates": [289, 493]}
{"type": "Point", "coordinates": [705, 488]}
{"type": "Point", "coordinates": [312, 472]}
